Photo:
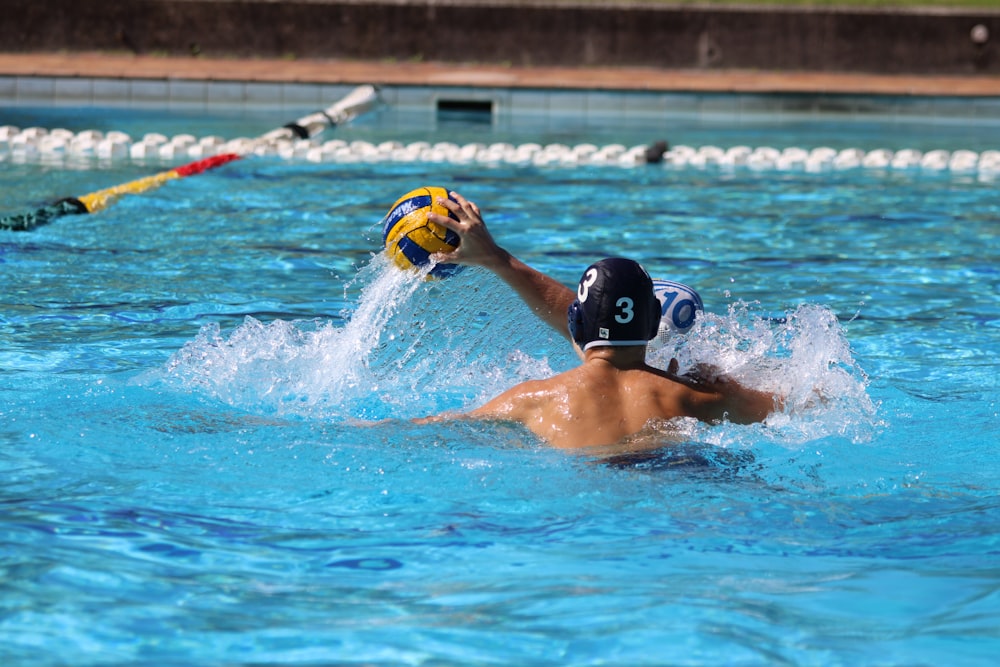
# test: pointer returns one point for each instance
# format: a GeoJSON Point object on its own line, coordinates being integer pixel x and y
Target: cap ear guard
{"type": "Point", "coordinates": [574, 322]}
{"type": "Point", "coordinates": [654, 316]}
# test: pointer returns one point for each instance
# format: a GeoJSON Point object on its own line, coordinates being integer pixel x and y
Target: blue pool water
{"type": "Point", "coordinates": [207, 459]}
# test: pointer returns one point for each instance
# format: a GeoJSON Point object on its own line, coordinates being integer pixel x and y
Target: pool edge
{"type": "Point", "coordinates": [325, 71]}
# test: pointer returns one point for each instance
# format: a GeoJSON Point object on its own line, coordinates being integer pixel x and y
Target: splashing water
{"type": "Point", "coordinates": [804, 357]}
{"type": "Point", "coordinates": [414, 347]}
{"type": "Point", "coordinates": [408, 349]}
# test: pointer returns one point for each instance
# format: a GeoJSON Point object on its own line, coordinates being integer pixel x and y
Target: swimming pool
{"type": "Point", "coordinates": [190, 379]}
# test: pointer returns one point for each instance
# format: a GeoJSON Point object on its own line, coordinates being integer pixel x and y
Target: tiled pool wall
{"type": "Point", "coordinates": [500, 102]}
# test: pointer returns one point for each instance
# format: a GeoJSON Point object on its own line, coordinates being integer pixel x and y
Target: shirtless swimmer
{"type": "Point", "coordinates": [613, 394]}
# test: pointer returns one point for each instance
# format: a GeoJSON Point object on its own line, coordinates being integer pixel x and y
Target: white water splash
{"type": "Point", "coordinates": [412, 347]}
{"type": "Point", "coordinates": [804, 357]}
{"type": "Point", "coordinates": [415, 347]}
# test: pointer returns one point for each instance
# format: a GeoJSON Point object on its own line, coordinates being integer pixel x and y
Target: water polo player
{"type": "Point", "coordinates": [611, 317]}
{"type": "Point", "coordinates": [547, 297]}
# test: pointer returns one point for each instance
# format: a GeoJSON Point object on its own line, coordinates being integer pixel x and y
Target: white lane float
{"type": "Point", "coordinates": [37, 143]}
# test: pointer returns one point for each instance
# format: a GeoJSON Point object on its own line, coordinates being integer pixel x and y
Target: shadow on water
{"type": "Point", "coordinates": [693, 458]}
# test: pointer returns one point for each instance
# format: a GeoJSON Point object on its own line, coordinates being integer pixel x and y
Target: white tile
{"type": "Point", "coordinates": [73, 90]}
{"type": "Point", "coordinates": [310, 95]}
{"type": "Point", "coordinates": [644, 104]}
{"type": "Point", "coordinates": [567, 101]}
{"type": "Point", "coordinates": [226, 92]}
{"type": "Point", "coordinates": [111, 91]}
{"type": "Point", "coordinates": [149, 92]}
{"type": "Point", "coordinates": [986, 108]}
{"type": "Point", "coordinates": [718, 103]}
{"type": "Point", "coordinates": [188, 93]}
{"type": "Point", "coordinates": [264, 93]}
{"type": "Point", "coordinates": [950, 107]}
{"type": "Point", "coordinates": [417, 97]}
{"type": "Point", "coordinates": [35, 89]}
{"type": "Point", "coordinates": [756, 104]}
{"type": "Point", "coordinates": [603, 103]}
{"type": "Point", "coordinates": [8, 87]}
{"type": "Point", "coordinates": [530, 101]}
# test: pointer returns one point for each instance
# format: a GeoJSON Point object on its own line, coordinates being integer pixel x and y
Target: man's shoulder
{"type": "Point", "coordinates": [668, 385]}
{"type": "Point", "coordinates": [661, 379]}
{"type": "Point", "coordinates": [539, 390]}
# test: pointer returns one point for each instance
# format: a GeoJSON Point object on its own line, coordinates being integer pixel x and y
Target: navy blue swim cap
{"type": "Point", "coordinates": [615, 305]}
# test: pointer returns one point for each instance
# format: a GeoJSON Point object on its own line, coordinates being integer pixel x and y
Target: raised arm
{"type": "Point", "coordinates": [548, 298]}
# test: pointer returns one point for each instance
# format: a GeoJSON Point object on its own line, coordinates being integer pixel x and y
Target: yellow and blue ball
{"type": "Point", "coordinates": [410, 238]}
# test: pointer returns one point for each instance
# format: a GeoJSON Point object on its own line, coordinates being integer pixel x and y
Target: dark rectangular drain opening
{"type": "Point", "coordinates": [466, 106]}
{"type": "Point", "coordinates": [474, 111]}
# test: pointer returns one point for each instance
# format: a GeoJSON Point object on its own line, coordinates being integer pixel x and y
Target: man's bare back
{"type": "Point", "coordinates": [614, 394]}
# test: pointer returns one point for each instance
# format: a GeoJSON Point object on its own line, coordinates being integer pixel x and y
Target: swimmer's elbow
{"type": "Point", "coordinates": [740, 405]}
{"type": "Point", "coordinates": [759, 406]}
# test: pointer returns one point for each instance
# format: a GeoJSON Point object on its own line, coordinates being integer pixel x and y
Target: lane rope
{"type": "Point", "coordinates": [41, 145]}
{"type": "Point", "coordinates": [38, 144]}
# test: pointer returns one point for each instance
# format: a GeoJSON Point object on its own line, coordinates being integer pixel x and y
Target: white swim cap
{"type": "Point", "coordinates": [679, 306]}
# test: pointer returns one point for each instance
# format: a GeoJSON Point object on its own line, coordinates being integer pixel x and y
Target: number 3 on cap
{"type": "Point", "coordinates": [583, 291]}
{"type": "Point", "coordinates": [627, 310]}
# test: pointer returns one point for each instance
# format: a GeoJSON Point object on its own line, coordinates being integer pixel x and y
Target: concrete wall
{"type": "Point", "coordinates": [520, 32]}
